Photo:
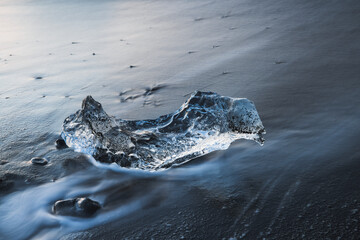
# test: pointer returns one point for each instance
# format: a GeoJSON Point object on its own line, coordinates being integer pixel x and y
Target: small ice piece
{"type": "Point", "coordinates": [206, 122]}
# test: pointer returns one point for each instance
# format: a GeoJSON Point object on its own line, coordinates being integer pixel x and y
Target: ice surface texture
{"type": "Point", "coordinates": [204, 123]}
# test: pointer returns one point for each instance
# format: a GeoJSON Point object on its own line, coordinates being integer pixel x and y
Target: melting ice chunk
{"type": "Point", "coordinates": [204, 123]}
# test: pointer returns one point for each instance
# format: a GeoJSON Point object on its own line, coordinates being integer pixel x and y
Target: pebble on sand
{"type": "Point", "coordinates": [39, 161]}
{"type": "Point", "coordinates": [78, 207]}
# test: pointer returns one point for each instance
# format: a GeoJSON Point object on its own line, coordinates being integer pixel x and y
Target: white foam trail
{"type": "Point", "coordinates": [116, 168]}
{"type": "Point", "coordinates": [27, 214]}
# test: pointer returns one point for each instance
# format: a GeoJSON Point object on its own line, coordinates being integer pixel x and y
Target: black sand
{"type": "Point", "coordinates": [297, 60]}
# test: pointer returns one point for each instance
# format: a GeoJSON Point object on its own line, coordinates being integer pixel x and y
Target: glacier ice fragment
{"type": "Point", "coordinates": [204, 123]}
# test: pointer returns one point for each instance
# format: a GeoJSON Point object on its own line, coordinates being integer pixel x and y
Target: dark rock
{"type": "Point", "coordinates": [93, 54]}
{"type": "Point", "coordinates": [39, 161]}
{"type": "Point", "coordinates": [60, 143]}
{"type": "Point", "coordinates": [77, 207]}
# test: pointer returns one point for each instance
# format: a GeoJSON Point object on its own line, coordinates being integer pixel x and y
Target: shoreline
{"type": "Point", "coordinates": [297, 61]}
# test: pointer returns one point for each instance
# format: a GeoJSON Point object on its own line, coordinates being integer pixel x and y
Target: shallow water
{"type": "Point", "coordinates": [298, 62]}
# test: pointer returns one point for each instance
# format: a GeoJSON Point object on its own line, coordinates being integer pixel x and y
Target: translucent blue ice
{"type": "Point", "coordinates": [204, 123]}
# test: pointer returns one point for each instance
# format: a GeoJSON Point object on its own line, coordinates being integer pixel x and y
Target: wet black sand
{"type": "Point", "coordinates": [304, 184]}
{"type": "Point", "coordinates": [300, 67]}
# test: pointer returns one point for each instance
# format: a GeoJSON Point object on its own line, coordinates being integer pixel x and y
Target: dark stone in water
{"type": "Point", "coordinates": [77, 207]}
{"type": "Point", "coordinates": [60, 143]}
{"type": "Point", "coordinates": [39, 161]}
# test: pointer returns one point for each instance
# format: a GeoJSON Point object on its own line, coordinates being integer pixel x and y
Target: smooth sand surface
{"type": "Point", "coordinates": [297, 60]}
